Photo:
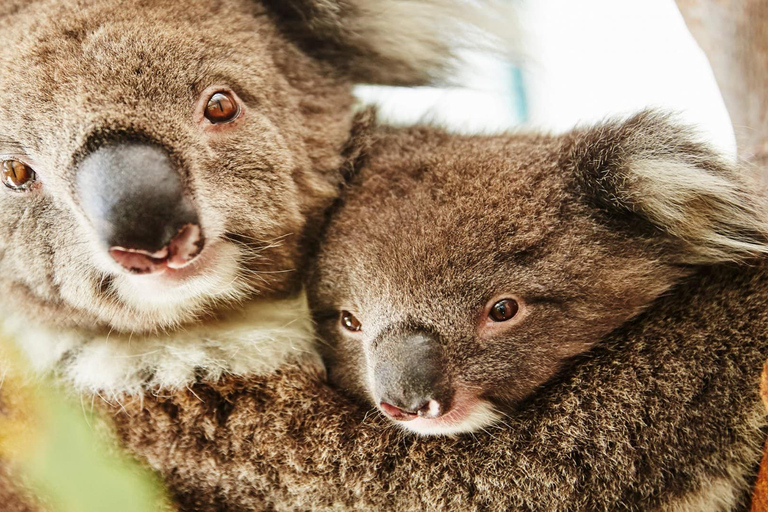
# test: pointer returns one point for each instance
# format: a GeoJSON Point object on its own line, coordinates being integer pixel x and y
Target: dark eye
{"type": "Point", "coordinates": [350, 323]}
{"type": "Point", "coordinates": [17, 175]}
{"type": "Point", "coordinates": [222, 108]}
{"type": "Point", "coordinates": [503, 310]}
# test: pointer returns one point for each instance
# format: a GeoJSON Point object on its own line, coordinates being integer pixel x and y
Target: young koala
{"type": "Point", "coordinates": [461, 274]}
{"type": "Point", "coordinates": [625, 380]}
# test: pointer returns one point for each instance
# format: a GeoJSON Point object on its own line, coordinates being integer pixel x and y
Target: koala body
{"type": "Point", "coordinates": [638, 233]}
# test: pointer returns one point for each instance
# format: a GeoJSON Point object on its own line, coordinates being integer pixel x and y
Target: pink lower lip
{"type": "Point", "coordinates": [182, 251]}
{"type": "Point", "coordinates": [463, 405]}
{"type": "Point", "coordinates": [188, 271]}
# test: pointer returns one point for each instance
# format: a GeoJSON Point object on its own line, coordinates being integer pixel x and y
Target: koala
{"type": "Point", "coordinates": [460, 276]}
{"type": "Point", "coordinates": [629, 380]}
{"type": "Point", "coordinates": [165, 173]}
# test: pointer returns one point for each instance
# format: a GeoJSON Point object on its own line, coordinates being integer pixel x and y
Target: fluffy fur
{"type": "Point", "coordinates": [374, 41]}
{"type": "Point", "coordinates": [661, 414]}
{"type": "Point", "coordinates": [258, 339]}
{"type": "Point", "coordinates": [14, 497]}
{"type": "Point", "coordinates": [617, 431]}
{"type": "Point", "coordinates": [678, 186]}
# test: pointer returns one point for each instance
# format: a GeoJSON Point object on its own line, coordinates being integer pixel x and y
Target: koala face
{"type": "Point", "coordinates": [461, 273]}
{"type": "Point", "coordinates": [157, 160]}
{"type": "Point", "coordinates": [160, 161]}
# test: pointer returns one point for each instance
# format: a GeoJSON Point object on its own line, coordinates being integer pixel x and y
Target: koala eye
{"type": "Point", "coordinates": [222, 108]}
{"type": "Point", "coordinates": [503, 310]}
{"type": "Point", "coordinates": [350, 323]}
{"type": "Point", "coordinates": [17, 175]}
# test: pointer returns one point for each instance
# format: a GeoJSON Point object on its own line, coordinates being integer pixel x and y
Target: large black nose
{"type": "Point", "coordinates": [409, 377]}
{"type": "Point", "coordinates": [136, 200]}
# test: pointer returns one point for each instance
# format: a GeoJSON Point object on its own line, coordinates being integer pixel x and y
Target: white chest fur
{"type": "Point", "coordinates": [254, 341]}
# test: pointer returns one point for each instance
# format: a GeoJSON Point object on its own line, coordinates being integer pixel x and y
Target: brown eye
{"type": "Point", "coordinates": [222, 108]}
{"type": "Point", "coordinates": [17, 176]}
{"type": "Point", "coordinates": [503, 310]}
{"type": "Point", "coordinates": [350, 323]}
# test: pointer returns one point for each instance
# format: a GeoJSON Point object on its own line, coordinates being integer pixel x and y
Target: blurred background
{"type": "Point", "coordinates": [582, 61]}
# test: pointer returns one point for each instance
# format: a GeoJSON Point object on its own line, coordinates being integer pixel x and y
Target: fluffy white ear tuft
{"type": "Point", "coordinates": [717, 218]}
{"type": "Point", "coordinates": [655, 174]}
{"type": "Point", "coordinates": [398, 42]}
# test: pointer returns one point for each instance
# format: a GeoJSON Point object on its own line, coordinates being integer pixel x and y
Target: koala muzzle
{"type": "Point", "coordinates": [135, 199]}
{"type": "Point", "coordinates": [409, 378]}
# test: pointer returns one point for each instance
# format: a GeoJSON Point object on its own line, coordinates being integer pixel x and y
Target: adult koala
{"type": "Point", "coordinates": [162, 164]}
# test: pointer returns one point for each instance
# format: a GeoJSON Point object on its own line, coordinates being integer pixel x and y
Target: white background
{"type": "Point", "coordinates": [584, 60]}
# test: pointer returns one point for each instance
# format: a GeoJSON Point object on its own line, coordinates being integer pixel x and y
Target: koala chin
{"type": "Point", "coordinates": [460, 275]}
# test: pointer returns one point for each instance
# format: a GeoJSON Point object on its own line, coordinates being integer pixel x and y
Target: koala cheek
{"type": "Point", "coordinates": [28, 249]}
{"type": "Point", "coordinates": [347, 364]}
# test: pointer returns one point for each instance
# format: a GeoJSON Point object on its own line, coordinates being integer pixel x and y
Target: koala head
{"type": "Point", "coordinates": [162, 159]}
{"type": "Point", "coordinates": [459, 274]}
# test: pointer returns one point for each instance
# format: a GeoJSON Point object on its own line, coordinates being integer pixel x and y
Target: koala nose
{"type": "Point", "coordinates": [135, 199]}
{"type": "Point", "coordinates": [409, 380]}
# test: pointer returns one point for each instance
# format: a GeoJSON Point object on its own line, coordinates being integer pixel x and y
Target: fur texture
{"type": "Point", "coordinates": [662, 413]}
{"type": "Point", "coordinates": [617, 431]}
{"type": "Point", "coordinates": [390, 41]}
{"type": "Point", "coordinates": [255, 340]}
{"type": "Point", "coordinates": [665, 177]}
{"type": "Point", "coordinates": [14, 497]}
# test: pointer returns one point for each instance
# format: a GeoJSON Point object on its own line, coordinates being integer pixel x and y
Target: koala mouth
{"type": "Point", "coordinates": [181, 252]}
{"type": "Point", "coordinates": [468, 413]}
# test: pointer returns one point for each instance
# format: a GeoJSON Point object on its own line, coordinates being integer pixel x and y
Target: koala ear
{"type": "Point", "coordinates": [656, 174]}
{"type": "Point", "coordinates": [394, 42]}
{"type": "Point", "coordinates": [362, 138]}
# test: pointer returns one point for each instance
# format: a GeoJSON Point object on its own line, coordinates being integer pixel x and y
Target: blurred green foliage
{"type": "Point", "coordinates": [65, 454]}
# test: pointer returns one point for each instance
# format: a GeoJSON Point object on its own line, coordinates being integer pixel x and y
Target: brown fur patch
{"type": "Point", "coordinates": [14, 497]}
